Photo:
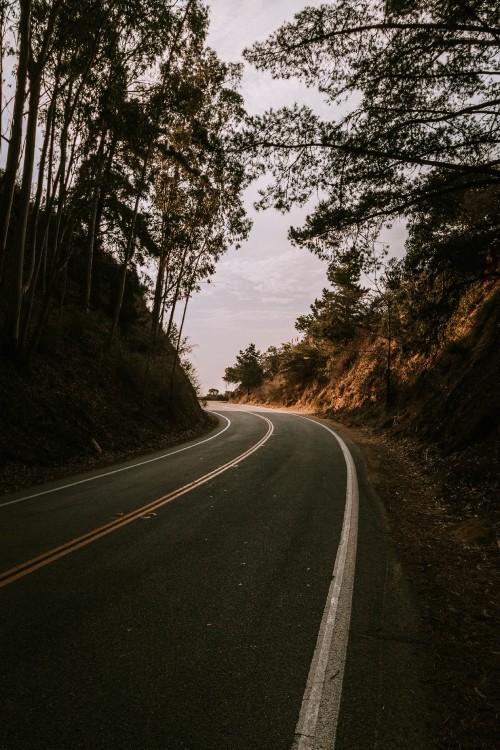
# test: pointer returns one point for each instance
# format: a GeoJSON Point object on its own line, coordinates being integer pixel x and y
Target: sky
{"type": "Point", "coordinates": [259, 290]}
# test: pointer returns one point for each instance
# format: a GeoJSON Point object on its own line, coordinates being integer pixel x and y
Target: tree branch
{"type": "Point", "coordinates": [396, 157]}
{"type": "Point", "coordinates": [398, 209]}
{"type": "Point", "coordinates": [387, 25]}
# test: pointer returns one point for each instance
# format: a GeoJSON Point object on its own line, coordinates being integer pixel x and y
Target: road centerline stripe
{"type": "Point", "coordinates": [45, 558]}
{"type": "Point", "coordinates": [121, 469]}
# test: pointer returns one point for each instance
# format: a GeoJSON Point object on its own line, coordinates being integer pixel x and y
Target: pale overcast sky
{"type": "Point", "coordinates": [258, 291]}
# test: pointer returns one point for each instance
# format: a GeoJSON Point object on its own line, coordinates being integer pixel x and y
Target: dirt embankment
{"type": "Point", "coordinates": [449, 550]}
{"type": "Point", "coordinates": [448, 394]}
{"type": "Point", "coordinates": [78, 405]}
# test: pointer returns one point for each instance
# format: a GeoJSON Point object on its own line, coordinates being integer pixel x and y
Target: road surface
{"type": "Point", "coordinates": [233, 593]}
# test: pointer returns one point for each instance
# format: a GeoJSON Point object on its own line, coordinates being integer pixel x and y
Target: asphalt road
{"type": "Point", "coordinates": [226, 594]}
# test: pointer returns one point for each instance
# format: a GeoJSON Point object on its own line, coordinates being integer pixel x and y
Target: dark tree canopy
{"type": "Point", "coordinates": [248, 371]}
{"type": "Point", "coordinates": [125, 118]}
{"type": "Point", "coordinates": [411, 86]}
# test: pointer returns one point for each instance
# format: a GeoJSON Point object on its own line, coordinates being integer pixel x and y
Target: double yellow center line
{"type": "Point", "coordinates": [24, 569]}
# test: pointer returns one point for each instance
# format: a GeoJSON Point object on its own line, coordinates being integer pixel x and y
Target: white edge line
{"type": "Point", "coordinates": [123, 468]}
{"type": "Point", "coordinates": [341, 586]}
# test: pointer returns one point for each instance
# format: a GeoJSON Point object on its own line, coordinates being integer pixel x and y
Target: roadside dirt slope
{"type": "Point", "coordinates": [451, 555]}
{"type": "Point", "coordinates": [68, 411]}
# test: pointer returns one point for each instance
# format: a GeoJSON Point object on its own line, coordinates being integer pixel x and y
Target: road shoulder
{"type": "Point", "coordinates": [449, 563]}
{"type": "Point", "coordinates": [387, 696]}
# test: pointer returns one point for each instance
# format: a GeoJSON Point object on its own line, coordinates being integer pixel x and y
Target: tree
{"type": "Point", "coordinates": [70, 53]}
{"type": "Point", "coordinates": [416, 81]}
{"type": "Point", "coordinates": [198, 183]}
{"type": "Point", "coordinates": [135, 118]}
{"type": "Point", "coordinates": [248, 371]}
{"type": "Point", "coordinates": [16, 130]}
{"type": "Point", "coordinates": [341, 311]}
{"type": "Point", "coordinates": [302, 362]}
{"type": "Point", "coordinates": [271, 360]}
{"type": "Point", "coordinates": [453, 244]}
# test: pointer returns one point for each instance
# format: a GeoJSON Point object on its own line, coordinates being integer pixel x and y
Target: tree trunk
{"type": "Point", "coordinates": [38, 256]}
{"type": "Point", "coordinates": [93, 221]}
{"type": "Point", "coordinates": [14, 150]}
{"type": "Point", "coordinates": [129, 248]}
{"type": "Point", "coordinates": [388, 392]}
{"type": "Point", "coordinates": [19, 244]}
{"type": "Point", "coordinates": [2, 31]}
{"type": "Point", "coordinates": [177, 291]}
{"type": "Point", "coordinates": [191, 284]}
{"type": "Point", "coordinates": [34, 263]}
{"type": "Point", "coordinates": [179, 339]}
{"type": "Point", "coordinates": [155, 316]}
{"type": "Point", "coordinates": [61, 179]}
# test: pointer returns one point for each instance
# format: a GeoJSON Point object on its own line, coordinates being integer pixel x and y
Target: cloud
{"type": "Point", "coordinates": [231, 30]}
{"type": "Point", "coordinates": [278, 276]}
{"type": "Point", "coordinates": [258, 291]}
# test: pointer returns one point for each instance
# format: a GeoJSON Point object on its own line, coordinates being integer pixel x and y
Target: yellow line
{"type": "Point", "coordinates": [19, 571]}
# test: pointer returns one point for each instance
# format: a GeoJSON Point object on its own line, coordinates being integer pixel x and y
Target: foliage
{"type": "Point", "coordinates": [131, 118]}
{"type": "Point", "coordinates": [184, 349]}
{"type": "Point", "coordinates": [302, 362]}
{"type": "Point", "coordinates": [341, 311]}
{"type": "Point", "coordinates": [411, 92]}
{"type": "Point", "coordinates": [296, 363]}
{"type": "Point", "coordinates": [413, 134]}
{"type": "Point", "coordinates": [248, 371]}
{"type": "Point", "coordinates": [453, 244]}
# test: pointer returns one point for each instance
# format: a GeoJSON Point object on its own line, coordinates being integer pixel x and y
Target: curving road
{"type": "Point", "coordinates": [226, 594]}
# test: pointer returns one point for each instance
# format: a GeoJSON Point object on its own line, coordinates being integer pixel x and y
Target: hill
{"type": "Point", "coordinates": [78, 403]}
{"type": "Point", "coordinates": [445, 396]}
